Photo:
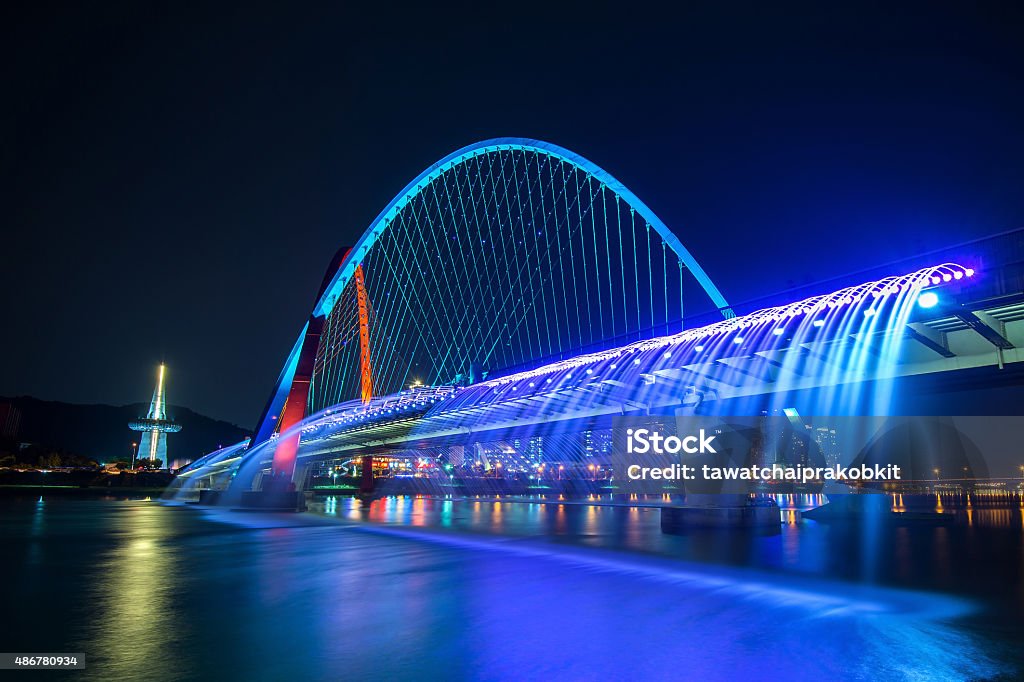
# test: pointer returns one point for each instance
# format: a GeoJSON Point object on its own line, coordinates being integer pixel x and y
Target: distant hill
{"type": "Point", "coordinates": [101, 432]}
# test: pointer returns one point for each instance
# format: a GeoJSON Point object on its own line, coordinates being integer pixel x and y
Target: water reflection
{"type": "Point", "coordinates": [873, 549]}
{"type": "Point", "coordinates": [135, 580]}
{"type": "Point", "coordinates": [35, 548]}
{"type": "Point", "coordinates": [168, 593]}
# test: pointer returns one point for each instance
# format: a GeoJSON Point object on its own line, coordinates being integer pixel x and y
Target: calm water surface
{"type": "Point", "coordinates": [418, 588]}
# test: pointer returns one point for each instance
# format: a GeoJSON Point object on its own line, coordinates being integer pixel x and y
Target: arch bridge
{"type": "Point", "coordinates": [503, 254]}
{"type": "Point", "coordinates": [514, 285]}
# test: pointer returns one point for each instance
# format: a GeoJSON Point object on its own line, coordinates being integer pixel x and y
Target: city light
{"type": "Point", "coordinates": [928, 299]}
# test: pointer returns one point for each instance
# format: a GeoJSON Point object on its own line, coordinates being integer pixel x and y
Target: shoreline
{"type": "Point", "coordinates": [12, 489]}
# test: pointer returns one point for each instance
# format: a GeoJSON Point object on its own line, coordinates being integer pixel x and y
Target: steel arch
{"type": "Point", "coordinates": [383, 219]}
{"type": "Point", "coordinates": [352, 260]}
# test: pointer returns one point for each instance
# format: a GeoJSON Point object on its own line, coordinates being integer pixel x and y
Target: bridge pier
{"type": "Point", "coordinates": [366, 485]}
{"type": "Point", "coordinates": [278, 494]}
{"type": "Point", "coordinates": [720, 511]}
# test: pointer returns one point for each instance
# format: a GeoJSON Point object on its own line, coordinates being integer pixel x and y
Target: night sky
{"type": "Point", "coordinates": [176, 178]}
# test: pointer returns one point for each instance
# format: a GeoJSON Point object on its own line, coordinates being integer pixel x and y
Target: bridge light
{"type": "Point", "coordinates": [870, 312]}
{"type": "Point", "coordinates": [928, 299]}
{"type": "Point", "coordinates": [779, 331]}
{"type": "Point", "coordinates": [698, 348]}
{"type": "Point", "coordinates": [738, 340]}
{"type": "Point", "coordinates": [958, 275]}
{"type": "Point", "coordinates": [935, 280]}
{"type": "Point", "coordinates": [947, 277]}
{"type": "Point", "coordinates": [969, 272]}
{"type": "Point", "coordinates": [819, 323]}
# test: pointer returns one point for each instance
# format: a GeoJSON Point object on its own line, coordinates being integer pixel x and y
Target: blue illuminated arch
{"type": "Point", "coordinates": [381, 222]}
{"type": "Point", "coordinates": [345, 271]}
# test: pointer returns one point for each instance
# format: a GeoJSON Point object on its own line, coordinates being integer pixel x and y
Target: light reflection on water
{"type": "Point", "coordinates": [135, 579]}
{"type": "Point", "coordinates": [871, 550]}
{"type": "Point", "coordinates": [423, 590]}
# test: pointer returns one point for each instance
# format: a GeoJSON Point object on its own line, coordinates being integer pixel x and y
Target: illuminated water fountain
{"type": "Point", "coordinates": [547, 429]}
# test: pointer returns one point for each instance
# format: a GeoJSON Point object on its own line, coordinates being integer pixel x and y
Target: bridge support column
{"type": "Point", "coordinates": [366, 486]}
{"type": "Point", "coordinates": [278, 493]}
{"type": "Point", "coordinates": [301, 476]}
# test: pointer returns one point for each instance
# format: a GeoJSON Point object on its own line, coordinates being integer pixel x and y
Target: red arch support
{"type": "Point", "coordinates": [295, 406]}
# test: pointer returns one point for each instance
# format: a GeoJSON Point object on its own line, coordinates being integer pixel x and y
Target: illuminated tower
{"type": "Point", "coordinates": [156, 426]}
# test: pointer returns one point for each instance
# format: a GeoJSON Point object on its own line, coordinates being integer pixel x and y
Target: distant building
{"type": "Point", "coordinates": [828, 441]}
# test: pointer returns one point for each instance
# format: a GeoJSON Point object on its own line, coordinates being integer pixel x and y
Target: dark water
{"type": "Point", "coordinates": [414, 588]}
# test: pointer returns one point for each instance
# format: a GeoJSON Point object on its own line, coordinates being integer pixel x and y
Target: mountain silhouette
{"type": "Point", "coordinates": [101, 432]}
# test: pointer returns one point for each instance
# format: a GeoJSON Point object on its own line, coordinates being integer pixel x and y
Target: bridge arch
{"type": "Point", "coordinates": [505, 252]}
{"type": "Point", "coordinates": [402, 199]}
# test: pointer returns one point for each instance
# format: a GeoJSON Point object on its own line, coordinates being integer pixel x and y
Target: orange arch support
{"type": "Point", "coordinates": [365, 369]}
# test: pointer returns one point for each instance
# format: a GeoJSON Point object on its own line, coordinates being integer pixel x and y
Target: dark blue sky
{"type": "Point", "coordinates": [177, 177]}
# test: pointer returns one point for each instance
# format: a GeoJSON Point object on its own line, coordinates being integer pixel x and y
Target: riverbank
{"type": "Point", "coordinates": [83, 492]}
{"type": "Point", "coordinates": [86, 479]}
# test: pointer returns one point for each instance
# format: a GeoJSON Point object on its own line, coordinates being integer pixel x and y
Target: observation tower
{"type": "Point", "coordinates": [155, 426]}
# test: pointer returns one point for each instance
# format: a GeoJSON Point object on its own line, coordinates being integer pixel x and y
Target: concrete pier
{"type": "Point", "coordinates": [739, 513]}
